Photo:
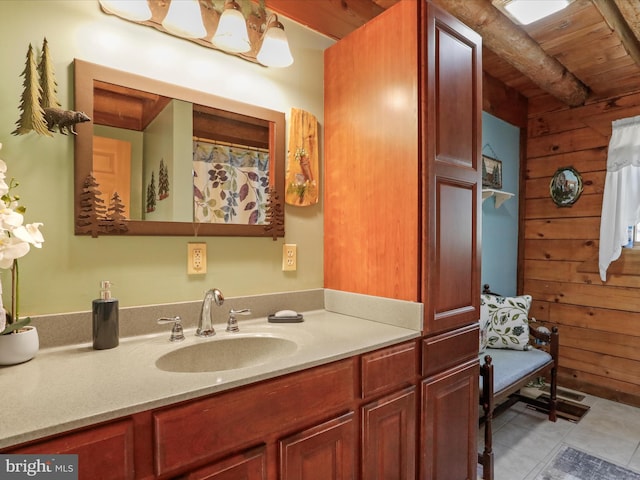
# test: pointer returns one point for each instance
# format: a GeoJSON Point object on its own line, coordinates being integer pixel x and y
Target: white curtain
{"type": "Point", "coordinates": [621, 201]}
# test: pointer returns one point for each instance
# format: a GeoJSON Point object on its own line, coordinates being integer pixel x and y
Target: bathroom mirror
{"type": "Point", "coordinates": [160, 159]}
{"type": "Point", "coordinates": [566, 186]}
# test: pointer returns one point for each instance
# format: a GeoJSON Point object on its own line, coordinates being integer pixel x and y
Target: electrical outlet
{"type": "Point", "coordinates": [196, 258]}
{"type": "Point", "coordinates": [289, 257]}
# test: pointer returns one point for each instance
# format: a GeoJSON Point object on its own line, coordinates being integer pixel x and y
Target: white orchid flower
{"type": "Point", "coordinates": [15, 238]}
{"type": "Point", "coordinates": [11, 248]}
{"type": "Point", "coordinates": [30, 233]}
{"type": "Point", "coordinates": [10, 219]}
{"type": "Point", "coordinates": [4, 188]}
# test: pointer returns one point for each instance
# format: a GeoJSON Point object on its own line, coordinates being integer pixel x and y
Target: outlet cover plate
{"type": "Point", "coordinates": [196, 258]}
{"type": "Point", "coordinates": [289, 257]}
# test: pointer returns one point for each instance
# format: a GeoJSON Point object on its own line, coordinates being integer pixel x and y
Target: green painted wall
{"type": "Point", "coordinates": [64, 275]}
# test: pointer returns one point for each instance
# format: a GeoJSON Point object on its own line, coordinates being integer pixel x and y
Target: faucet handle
{"type": "Point", "coordinates": [232, 324]}
{"type": "Point", "coordinates": [177, 335]}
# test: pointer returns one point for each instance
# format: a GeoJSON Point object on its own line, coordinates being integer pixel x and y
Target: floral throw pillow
{"type": "Point", "coordinates": [484, 325]}
{"type": "Point", "coordinates": [508, 321]}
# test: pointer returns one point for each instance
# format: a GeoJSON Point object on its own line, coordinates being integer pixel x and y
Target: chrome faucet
{"type": "Point", "coordinates": [205, 325]}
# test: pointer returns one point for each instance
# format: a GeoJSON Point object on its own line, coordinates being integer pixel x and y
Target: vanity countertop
{"type": "Point", "coordinates": [68, 387]}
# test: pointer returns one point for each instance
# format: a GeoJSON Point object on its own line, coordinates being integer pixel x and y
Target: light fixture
{"type": "Point", "coordinates": [184, 19]}
{"type": "Point", "coordinates": [528, 11]}
{"type": "Point", "coordinates": [231, 34]}
{"type": "Point", "coordinates": [253, 38]}
{"type": "Point", "coordinates": [134, 10]}
{"type": "Point", "coordinates": [274, 51]}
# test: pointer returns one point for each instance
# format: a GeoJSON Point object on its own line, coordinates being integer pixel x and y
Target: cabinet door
{"type": "Point", "coordinates": [452, 190]}
{"type": "Point", "coordinates": [104, 452]}
{"type": "Point", "coordinates": [449, 424]}
{"type": "Point", "coordinates": [251, 465]}
{"type": "Point", "coordinates": [325, 452]}
{"type": "Point", "coordinates": [389, 437]}
{"type": "Point", "coordinates": [371, 192]}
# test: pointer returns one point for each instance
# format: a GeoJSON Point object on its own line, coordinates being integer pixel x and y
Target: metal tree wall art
{"type": "Point", "coordinates": [48, 84]}
{"type": "Point", "coordinates": [92, 208]}
{"type": "Point", "coordinates": [275, 216]}
{"type": "Point", "coordinates": [151, 194]}
{"type": "Point", "coordinates": [115, 221]}
{"type": "Point", "coordinates": [39, 103]}
{"type": "Point", "coordinates": [32, 116]}
{"type": "Point", "coordinates": [163, 181]}
{"type": "Point", "coordinates": [94, 217]}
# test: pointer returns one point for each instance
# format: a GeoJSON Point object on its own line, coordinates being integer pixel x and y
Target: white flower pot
{"type": "Point", "coordinates": [19, 347]}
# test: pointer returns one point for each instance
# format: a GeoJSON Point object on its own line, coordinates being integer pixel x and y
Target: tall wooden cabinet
{"type": "Point", "coordinates": [402, 201]}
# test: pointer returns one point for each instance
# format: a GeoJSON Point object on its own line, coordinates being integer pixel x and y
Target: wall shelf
{"type": "Point", "coordinates": [500, 196]}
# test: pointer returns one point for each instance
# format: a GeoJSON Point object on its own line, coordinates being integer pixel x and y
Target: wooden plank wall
{"type": "Point", "coordinates": [599, 322]}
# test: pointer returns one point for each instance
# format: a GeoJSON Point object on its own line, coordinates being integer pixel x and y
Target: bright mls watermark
{"type": "Point", "coordinates": [26, 467]}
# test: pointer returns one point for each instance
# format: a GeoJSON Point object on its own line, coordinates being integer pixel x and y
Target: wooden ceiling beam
{"type": "Point", "coordinates": [517, 48]}
{"type": "Point", "coordinates": [631, 13]}
{"type": "Point", "coordinates": [623, 17]}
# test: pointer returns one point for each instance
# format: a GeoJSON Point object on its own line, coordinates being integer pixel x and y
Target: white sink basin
{"type": "Point", "coordinates": [227, 353]}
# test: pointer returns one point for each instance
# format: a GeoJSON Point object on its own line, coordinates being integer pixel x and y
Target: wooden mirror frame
{"type": "Point", "coordinates": [563, 193]}
{"type": "Point", "coordinates": [85, 75]}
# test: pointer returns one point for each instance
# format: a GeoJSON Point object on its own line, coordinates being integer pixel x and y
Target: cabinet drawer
{"type": "Point", "coordinates": [388, 368]}
{"type": "Point", "coordinates": [231, 421]}
{"type": "Point", "coordinates": [449, 349]}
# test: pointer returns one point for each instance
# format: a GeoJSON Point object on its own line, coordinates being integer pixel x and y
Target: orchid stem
{"type": "Point", "coordinates": [14, 291]}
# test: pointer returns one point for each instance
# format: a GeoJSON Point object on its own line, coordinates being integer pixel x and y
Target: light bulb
{"type": "Point", "coordinates": [184, 19]}
{"type": "Point", "coordinates": [275, 50]}
{"type": "Point", "coordinates": [134, 10]}
{"type": "Point", "coordinates": [231, 34]}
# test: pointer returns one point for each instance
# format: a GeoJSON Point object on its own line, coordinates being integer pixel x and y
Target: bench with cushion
{"type": "Point", "coordinates": [512, 354]}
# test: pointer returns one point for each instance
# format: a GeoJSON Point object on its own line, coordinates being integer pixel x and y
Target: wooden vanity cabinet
{"type": "Point", "coordinates": [332, 422]}
{"type": "Point", "coordinates": [403, 109]}
{"type": "Point", "coordinates": [352, 419]}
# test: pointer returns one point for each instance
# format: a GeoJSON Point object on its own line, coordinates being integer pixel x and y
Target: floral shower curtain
{"type": "Point", "coordinates": [621, 200]}
{"type": "Point", "coordinates": [230, 183]}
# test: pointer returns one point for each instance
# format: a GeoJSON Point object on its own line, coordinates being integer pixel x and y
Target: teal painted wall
{"type": "Point", "coordinates": [500, 225]}
{"type": "Point", "coordinates": [64, 275]}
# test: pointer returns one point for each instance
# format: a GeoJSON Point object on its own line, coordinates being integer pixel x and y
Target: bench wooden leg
{"type": "Point", "coordinates": [486, 459]}
{"type": "Point", "coordinates": [553, 401]}
{"type": "Point", "coordinates": [555, 353]}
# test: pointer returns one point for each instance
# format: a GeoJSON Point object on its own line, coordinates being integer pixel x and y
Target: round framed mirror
{"type": "Point", "coordinates": [566, 186]}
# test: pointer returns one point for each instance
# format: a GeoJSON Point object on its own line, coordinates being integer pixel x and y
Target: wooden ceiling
{"type": "Point", "coordinates": [588, 51]}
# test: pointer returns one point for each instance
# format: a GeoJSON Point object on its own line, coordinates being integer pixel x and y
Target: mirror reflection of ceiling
{"type": "Point", "coordinates": [122, 107]}
{"type": "Point", "coordinates": [131, 109]}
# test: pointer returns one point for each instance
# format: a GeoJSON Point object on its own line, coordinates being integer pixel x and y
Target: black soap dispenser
{"type": "Point", "coordinates": [105, 319]}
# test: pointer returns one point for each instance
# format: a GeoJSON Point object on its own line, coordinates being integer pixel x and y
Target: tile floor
{"type": "Point", "coordinates": [524, 441]}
